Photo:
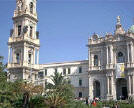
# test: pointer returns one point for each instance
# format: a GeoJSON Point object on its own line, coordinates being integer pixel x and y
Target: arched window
{"type": "Point", "coordinates": [95, 60]}
{"type": "Point", "coordinates": [19, 30]}
{"type": "Point", "coordinates": [31, 7]}
{"type": "Point", "coordinates": [120, 57]}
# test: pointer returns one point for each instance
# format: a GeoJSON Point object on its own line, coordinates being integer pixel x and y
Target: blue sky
{"type": "Point", "coordinates": [65, 25]}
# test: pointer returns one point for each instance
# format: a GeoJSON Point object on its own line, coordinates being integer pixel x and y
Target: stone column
{"type": "Point", "coordinates": [25, 58]}
{"type": "Point", "coordinates": [33, 56]}
{"type": "Point", "coordinates": [107, 85]}
{"type": "Point", "coordinates": [129, 84]}
{"type": "Point", "coordinates": [107, 54]}
{"type": "Point", "coordinates": [92, 60]}
{"type": "Point", "coordinates": [13, 60]}
{"type": "Point", "coordinates": [111, 50]}
{"type": "Point", "coordinates": [9, 54]}
{"type": "Point", "coordinates": [38, 56]}
{"type": "Point", "coordinates": [101, 58]}
{"type": "Point", "coordinates": [114, 56]}
{"type": "Point", "coordinates": [128, 53]}
{"type": "Point", "coordinates": [110, 85]}
{"type": "Point", "coordinates": [89, 58]}
{"type": "Point", "coordinates": [131, 53]}
{"type": "Point", "coordinates": [90, 88]}
{"type": "Point", "coordinates": [114, 88]}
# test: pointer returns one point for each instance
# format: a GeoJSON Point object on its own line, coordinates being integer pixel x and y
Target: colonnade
{"type": "Point", "coordinates": [23, 55]}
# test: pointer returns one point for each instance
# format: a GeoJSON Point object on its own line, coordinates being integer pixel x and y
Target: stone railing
{"type": "Point", "coordinates": [95, 68]}
{"type": "Point", "coordinates": [110, 66]}
{"type": "Point", "coordinates": [99, 40]}
{"type": "Point", "coordinates": [129, 65]}
{"type": "Point", "coordinates": [23, 38]}
{"type": "Point", "coordinates": [17, 65]}
{"type": "Point", "coordinates": [19, 13]}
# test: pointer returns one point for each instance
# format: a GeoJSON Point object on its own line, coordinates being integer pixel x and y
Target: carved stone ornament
{"type": "Point", "coordinates": [25, 29]}
{"type": "Point", "coordinates": [19, 4]}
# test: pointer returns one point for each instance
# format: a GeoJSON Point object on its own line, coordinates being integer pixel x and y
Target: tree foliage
{"type": "Point", "coordinates": [59, 93]}
{"type": "Point", "coordinates": [20, 94]}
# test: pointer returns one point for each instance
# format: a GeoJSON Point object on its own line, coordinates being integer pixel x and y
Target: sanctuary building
{"type": "Point", "coordinates": [108, 73]}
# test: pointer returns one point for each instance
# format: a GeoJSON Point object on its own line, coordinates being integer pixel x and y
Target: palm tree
{"type": "Point", "coordinates": [60, 93]}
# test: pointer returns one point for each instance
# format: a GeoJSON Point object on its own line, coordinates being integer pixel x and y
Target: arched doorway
{"type": "Point", "coordinates": [121, 88]}
{"type": "Point", "coordinates": [96, 90]}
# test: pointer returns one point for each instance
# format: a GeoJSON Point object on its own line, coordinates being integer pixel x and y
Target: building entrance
{"type": "Point", "coordinates": [96, 90]}
{"type": "Point", "coordinates": [121, 88]}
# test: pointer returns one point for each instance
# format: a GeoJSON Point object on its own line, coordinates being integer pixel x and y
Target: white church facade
{"type": "Point", "coordinates": [108, 73]}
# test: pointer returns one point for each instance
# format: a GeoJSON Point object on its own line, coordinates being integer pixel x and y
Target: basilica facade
{"type": "Point", "coordinates": [108, 73]}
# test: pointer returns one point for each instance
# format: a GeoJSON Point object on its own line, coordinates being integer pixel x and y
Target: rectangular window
{"type": "Point", "coordinates": [64, 71]}
{"type": "Point", "coordinates": [45, 72]}
{"type": "Point", "coordinates": [69, 71]}
{"type": "Point", "coordinates": [80, 94]}
{"type": "Point", "coordinates": [29, 58]}
{"type": "Point", "coordinates": [80, 69]}
{"type": "Point", "coordinates": [31, 31]}
{"type": "Point", "coordinates": [80, 82]}
{"type": "Point", "coordinates": [41, 75]}
{"type": "Point", "coordinates": [19, 30]}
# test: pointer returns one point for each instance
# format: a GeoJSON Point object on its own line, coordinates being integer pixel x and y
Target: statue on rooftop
{"type": "Point", "coordinates": [118, 20]}
{"type": "Point", "coordinates": [19, 5]}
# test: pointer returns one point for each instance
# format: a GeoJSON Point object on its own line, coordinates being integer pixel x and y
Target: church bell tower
{"type": "Point", "coordinates": [23, 43]}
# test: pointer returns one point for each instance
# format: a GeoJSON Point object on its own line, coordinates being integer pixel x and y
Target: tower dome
{"type": "Point", "coordinates": [131, 29]}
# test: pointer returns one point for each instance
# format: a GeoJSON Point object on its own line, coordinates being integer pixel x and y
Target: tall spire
{"type": "Point", "coordinates": [119, 29]}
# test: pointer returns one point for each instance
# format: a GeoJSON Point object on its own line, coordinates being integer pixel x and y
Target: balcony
{"type": "Point", "coordinates": [129, 65]}
{"type": "Point", "coordinates": [110, 66]}
{"type": "Point", "coordinates": [95, 68]}
{"type": "Point", "coordinates": [23, 38]}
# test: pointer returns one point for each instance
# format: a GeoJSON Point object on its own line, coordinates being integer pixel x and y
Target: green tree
{"type": "Point", "coordinates": [59, 93]}
{"type": "Point", "coordinates": [3, 74]}
{"type": "Point", "coordinates": [6, 96]}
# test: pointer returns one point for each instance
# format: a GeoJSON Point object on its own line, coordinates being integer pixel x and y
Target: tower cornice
{"type": "Point", "coordinates": [25, 15]}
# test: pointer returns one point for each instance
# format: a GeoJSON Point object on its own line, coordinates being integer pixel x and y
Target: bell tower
{"type": "Point", "coordinates": [23, 43]}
